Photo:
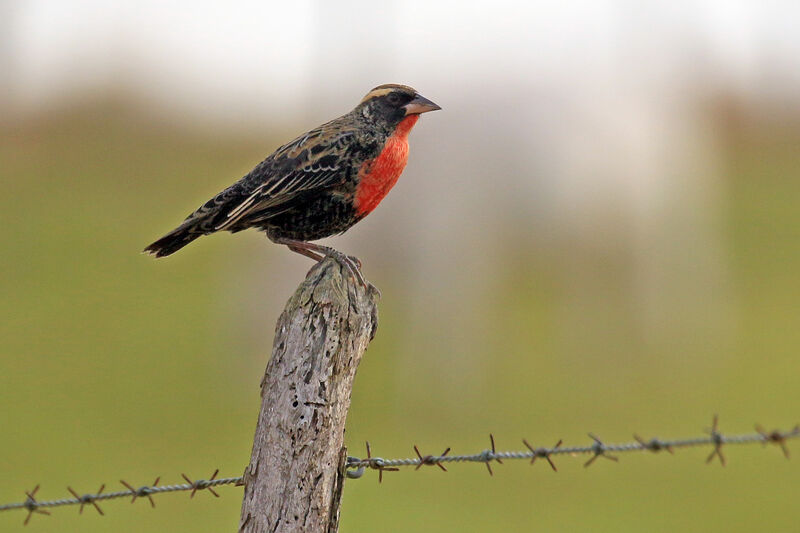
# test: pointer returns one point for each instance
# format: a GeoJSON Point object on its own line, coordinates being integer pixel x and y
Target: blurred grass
{"type": "Point", "coordinates": [116, 366]}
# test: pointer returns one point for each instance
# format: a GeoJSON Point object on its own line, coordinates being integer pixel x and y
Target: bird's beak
{"type": "Point", "coordinates": [419, 105]}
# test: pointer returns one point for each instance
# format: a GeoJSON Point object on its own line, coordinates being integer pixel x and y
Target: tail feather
{"type": "Point", "coordinates": [174, 240]}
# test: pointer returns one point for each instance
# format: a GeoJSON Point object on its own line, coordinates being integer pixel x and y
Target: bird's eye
{"type": "Point", "coordinates": [393, 98]}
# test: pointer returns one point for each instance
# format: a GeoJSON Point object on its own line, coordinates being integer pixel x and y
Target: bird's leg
{"type": "Point", "coordinates": [305, 252]}
{"type": "Point", "coordinates": [319, 252]}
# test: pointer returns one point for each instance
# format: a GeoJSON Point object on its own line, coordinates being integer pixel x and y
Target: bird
{"type": "Point", "coordinates": [318, 185]}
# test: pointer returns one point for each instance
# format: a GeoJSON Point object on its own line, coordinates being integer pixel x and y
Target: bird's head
{"type": "Point", "coordinates": [391, 103]}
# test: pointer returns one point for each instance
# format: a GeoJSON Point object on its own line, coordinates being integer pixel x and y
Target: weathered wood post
{"type": "Point", "coordinates": [296, 473]}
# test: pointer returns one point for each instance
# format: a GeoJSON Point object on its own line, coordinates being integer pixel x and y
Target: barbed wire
{"type": "Point", "coordinates": [34, 506]}
{"type": "Point", "coordinates": [598, 448]}
{"type": "Point", "coordinates": [355, 467]}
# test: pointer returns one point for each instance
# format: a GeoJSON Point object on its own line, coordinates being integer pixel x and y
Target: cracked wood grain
{"type": "Point", "coordinates": [296, 474]}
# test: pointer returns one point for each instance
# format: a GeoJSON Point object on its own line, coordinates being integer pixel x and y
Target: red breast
{"type": "Point", "coordinates": [377, 176]}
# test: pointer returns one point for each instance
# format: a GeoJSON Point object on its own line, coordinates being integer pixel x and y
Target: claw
{"type": "Point", "coordinates": [352, 264]}
{"type": "Point", "coordinates": [355, 260]}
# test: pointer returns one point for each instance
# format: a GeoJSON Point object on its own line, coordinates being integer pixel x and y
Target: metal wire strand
{"type": "Point", "coordinates": [32, 505]}
{"type": "Point", "coordinates": [357, 466]}
{"type": "Point", "coordinates": [597, 449]}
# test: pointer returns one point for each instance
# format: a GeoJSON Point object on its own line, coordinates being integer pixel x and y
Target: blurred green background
{"type": "Point", "coordinates": [517, 307]}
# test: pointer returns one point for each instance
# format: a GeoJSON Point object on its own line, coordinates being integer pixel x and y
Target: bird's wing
{"type": "Point", "coordinates": [310, 162]}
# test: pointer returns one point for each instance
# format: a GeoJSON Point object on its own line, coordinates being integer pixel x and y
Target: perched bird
{"type": "Point", "coordinates": [319, 184]}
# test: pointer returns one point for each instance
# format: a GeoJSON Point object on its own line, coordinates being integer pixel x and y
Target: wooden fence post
{"type": "Point", "coordinates": [296, 473]}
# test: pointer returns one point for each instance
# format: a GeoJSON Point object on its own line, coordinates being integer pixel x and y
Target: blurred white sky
{"type": "Point", "coordinates": [266, 60]}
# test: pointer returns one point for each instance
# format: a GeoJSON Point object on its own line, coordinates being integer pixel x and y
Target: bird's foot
{"type": "Point", "coordinates": [319, 252]}
{"type": "Point", "coordinates": [352, 264]}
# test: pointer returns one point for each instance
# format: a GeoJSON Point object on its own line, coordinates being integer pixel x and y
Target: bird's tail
{"type": "Point", "coordinates": [174, 240]}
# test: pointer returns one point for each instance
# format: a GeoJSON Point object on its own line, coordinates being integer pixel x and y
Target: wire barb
{"type": "Point", "coordinates": [377, 464]}
{"type": "Point", "coordinates": [778, 438]}
{"type": "Point", "coordinates": [490, 455]}
{"type": "Point", "coordinates": [718, 440]}
{"type": "Point", "coordinates": [430, 459]}
{"type": "Point", "coordinates": [32, 505]}
{"type": "Point", "coordinates": [599, 450]}
{"type": "Point", "coordinates": [88, 498]}
{"type": "Point", "coordinates": [201, 484]}
{"type": "Point", "coordinates": [654, 444]}
{"type": "Point", "coordinates": [142, 491]}
{"type": "Point", "coordinates": [543, 452]}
